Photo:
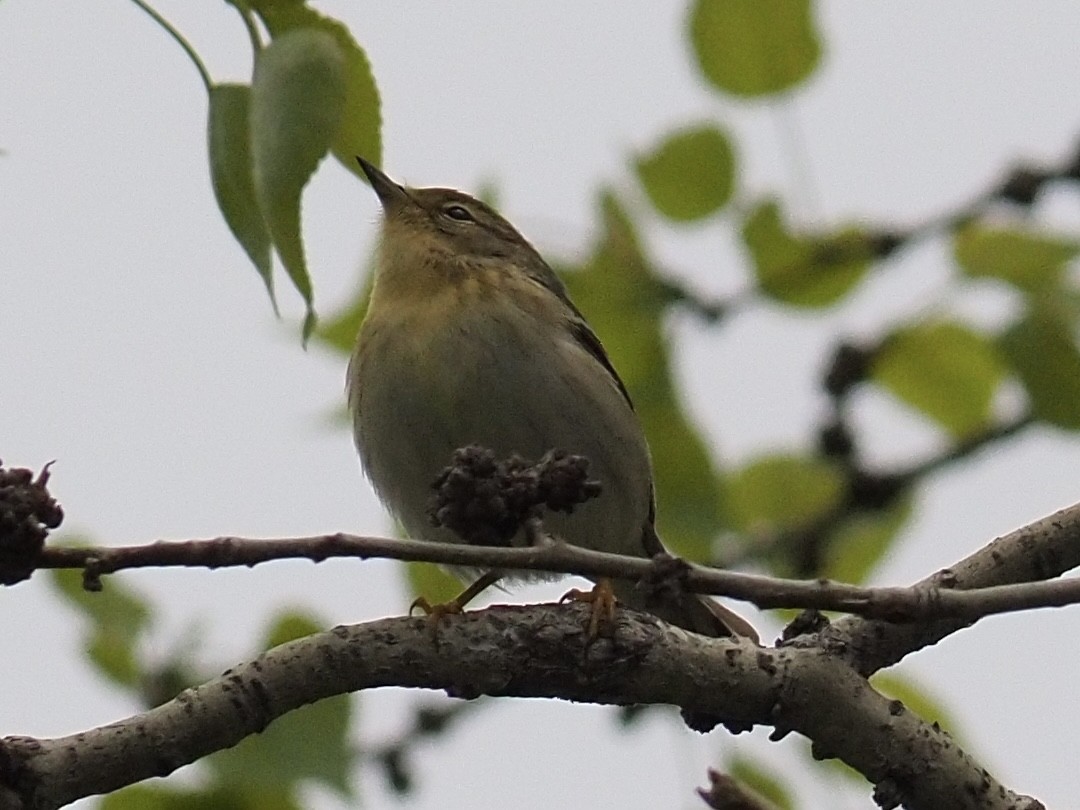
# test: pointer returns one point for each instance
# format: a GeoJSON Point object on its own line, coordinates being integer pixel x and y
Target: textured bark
{"type": "Point", "coordinates": [536, 651]}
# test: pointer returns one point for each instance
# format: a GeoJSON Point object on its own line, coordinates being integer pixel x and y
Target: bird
{"type": "Point", "coordinates": [470, 338]}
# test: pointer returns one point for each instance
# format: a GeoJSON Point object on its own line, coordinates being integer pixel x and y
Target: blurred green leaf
{"type": "Point", "coordinates": [779, 492]}
{"type": "Point", "coordinates": [1029, 261]}
{"type": "Point", "coordinates": [147, 797]}
{"type": "Point", "coordinates": [309, 743]}
{"type": "Point", "coordinates": [432, 582]}
{"type": "Point", "coordinates": [360, 132]}
{"type": "Point", "coordinates": [917, 699]}
{"type": "Point", "coordinates": [799, 270]}
{"type": "Point", "coordinates": [943, 369]}
{"type": "Point", "coordinates": [1041, 348]}
{"type": "Point", "coordinates": [861, 541]}
{"type": "Point", "coordinates": [767, 784]}
{"type": "Point", "coordinates": [754, 47]}
{"type": "Point", "coordinates": [297, 99]}
{"type": "Point", "coordinates": [838, 768]}
{"type": "Point", "coordinates": [289, 626]}
{"type": "Point", "coordinates": [691, 174]}
{"type": "Point", "coordinates": [229, 145]}
{"type": "Point", "coordinates": [624, 300]}
{"type": "Point", "coordinates": [119, 618]}
{"type": "Point", "coordinates": [338, 332]}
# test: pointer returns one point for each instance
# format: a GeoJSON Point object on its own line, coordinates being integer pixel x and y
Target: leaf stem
{"type": "Point", "coordinates": [204, 74]}
{"type": "Point", "coordinates": [244, 11]}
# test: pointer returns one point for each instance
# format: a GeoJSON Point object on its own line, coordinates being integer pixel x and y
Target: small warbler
{"type": "Point", "coordinates": [471, 338]}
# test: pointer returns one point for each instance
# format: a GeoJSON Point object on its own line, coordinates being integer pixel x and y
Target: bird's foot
{"type": "Point", "coordinates": [602, 600]}
{"type": "Point", "coordinates": [437, 611]}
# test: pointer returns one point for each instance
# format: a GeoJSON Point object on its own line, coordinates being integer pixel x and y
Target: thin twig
{"type": "Point", "coordinates": [933, 599]}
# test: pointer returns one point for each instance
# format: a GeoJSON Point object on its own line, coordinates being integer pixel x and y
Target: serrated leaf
{"type": "Point", "coordinates": [625, 300]}
{"type": "Point", "coordinates": [754, 48]}
{"type": "Point", "coordinates": [800, 270]}
{"type": "Point", "coordinates": [309, 743]}
{"type": "Point", "coordinates": [779, 492]}
{"type": "Point", "coordinates": [229, 145]}
{"type": "Point", "coordinates": [768, 784]}
{"type": "Point", "coordinates": [360, 132]}
{"type": "Point", "coordinates": [691, 174]}
{"type": "Point", "coordinates": [1041, 349]}
{"type": "Point", "coordinates": [297, 99]}
{"type": "Point", "coordinates": [862, 540]}
{"type": "Point", "coordinates": [1031, 262]}
{"type": "Point", "coordinates": [945, 370]}
{"type": "Point", "coordinates": [119, 617]}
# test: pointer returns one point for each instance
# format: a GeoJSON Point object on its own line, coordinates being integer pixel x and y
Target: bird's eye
{"type": "Point", "coordinates": [459, 212]}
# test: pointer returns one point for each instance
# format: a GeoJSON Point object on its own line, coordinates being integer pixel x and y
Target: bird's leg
{"type": "Point", "coordinates": [457, 604]}
{"type": "Point", "coordinates": [602, 600]}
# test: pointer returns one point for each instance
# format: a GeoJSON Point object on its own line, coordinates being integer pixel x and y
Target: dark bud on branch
{"type": "Point", "coordinates": [27, 513]}
{"type": "Point", "coordinates": [486, 501]}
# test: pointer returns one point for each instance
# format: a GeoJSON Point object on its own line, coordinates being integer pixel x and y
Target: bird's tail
{"type": "Point", "coordinates": [698, 614]}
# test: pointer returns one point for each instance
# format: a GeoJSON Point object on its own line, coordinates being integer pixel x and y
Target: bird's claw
{"type": "Point", "coordinates": [602, 601]}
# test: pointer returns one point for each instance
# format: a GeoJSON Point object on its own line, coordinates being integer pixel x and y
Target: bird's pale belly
{"type": "Point", "coordinates": [438, 400]}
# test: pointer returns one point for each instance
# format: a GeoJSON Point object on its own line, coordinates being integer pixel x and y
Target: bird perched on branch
{"type": "Point", "coordinates": [471, 339]}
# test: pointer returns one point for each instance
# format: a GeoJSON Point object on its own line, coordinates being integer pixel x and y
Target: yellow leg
{"type": "Point", "coordinates": [602, 599]}
{"type": "Point", "coordinates": [457, 604]}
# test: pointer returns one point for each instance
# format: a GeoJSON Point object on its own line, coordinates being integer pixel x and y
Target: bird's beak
{"type": "Point", "coordinates": [390, 193]}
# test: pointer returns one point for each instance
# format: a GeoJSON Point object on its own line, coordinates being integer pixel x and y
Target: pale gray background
{"type": "Point", "coordinates": [140, 353]}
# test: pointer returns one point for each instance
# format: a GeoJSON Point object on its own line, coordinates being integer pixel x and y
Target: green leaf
{"type": "Point", "coordinates": [297, 99]}
{"type": "Point", "coordinates": [767, 784]}
{"type": "Point", "coordinates": [360, 132]}
{"type": "Point", "coordinates": [147, 797]}
{"type": "Point", "coordinates": [309, 743]}
{"type": "Point", "coordinates": [228, 136]}
{"type": "Point", "coordinates": [917, 699]}
{"type": "Point", "coordinates": [862, 540]}
{"type": "Point", "coordinates": [289, 626]}
{"type": "Point", "coordinates": [943, 369]}
{"type": "Point", "coordinates": [778, 492]}
{"type": "Point", "coordinates": [754, 47]}
{"type": "Point", "coordinates": [268, 7]}
{"type": "Point", "coordinates": [619, 292]}
{"type": "Point", "coordinates": [432, 582]}
{"type": "Point", "coordinates": [119, 618]}
{"type": "Point", "coordinates": [1042, 351]}
{"type": "Point", "coordinates": [338, 332]}
{"type": "Point", "coordinates": [804, 271]}
{"type": "Point", "coordinates": [1031, 262]}
{"type": "Point", "coordinates": [691, 174]}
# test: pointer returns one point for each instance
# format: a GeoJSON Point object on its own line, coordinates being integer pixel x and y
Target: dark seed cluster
{"type": "Point", "coordinates": [27, 513]}
{"type": "Point", "coordinates": [486, 501]}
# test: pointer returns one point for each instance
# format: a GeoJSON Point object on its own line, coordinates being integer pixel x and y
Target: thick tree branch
{"type": "Point", "coordinates": [1040, 551]}
{"type": "Point", "coordinates": [537, 651]}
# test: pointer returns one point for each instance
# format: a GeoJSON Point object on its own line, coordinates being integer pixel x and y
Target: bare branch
{"type": "Point", "coordinates": [1039, 551]}
{"type": "Point", "coordinates": [1046, 549]}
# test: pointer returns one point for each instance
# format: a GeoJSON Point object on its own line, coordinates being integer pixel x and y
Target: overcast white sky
{"type": "Point", "coordinates": [141, 354]}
